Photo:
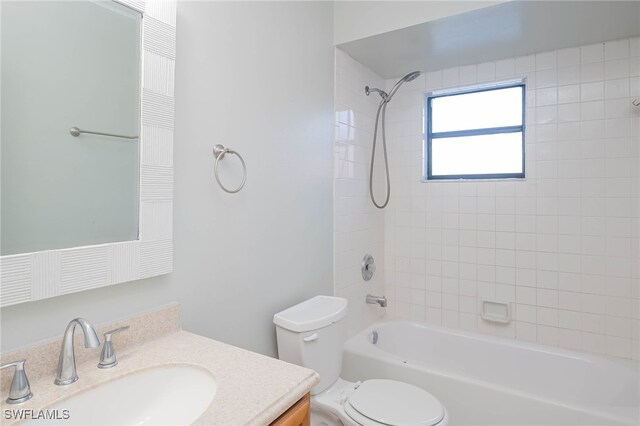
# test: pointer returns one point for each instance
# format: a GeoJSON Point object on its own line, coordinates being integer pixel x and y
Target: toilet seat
{"type": "Point", "coordinates": [393, 403]}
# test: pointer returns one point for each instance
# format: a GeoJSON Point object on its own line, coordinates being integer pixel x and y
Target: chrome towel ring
{"type": "Point", "coordinates": [219, 151]}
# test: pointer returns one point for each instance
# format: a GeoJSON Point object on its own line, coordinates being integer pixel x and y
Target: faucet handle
{"type": "Point", "coordinates": [108, 334]}
{"type": "Point", "coordinates": [108, 356]}
{"type": "Point", "coordinates": [20, 390]}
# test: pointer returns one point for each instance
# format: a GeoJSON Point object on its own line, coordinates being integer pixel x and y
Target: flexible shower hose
{"type": "Point", "coordinates": [382, 107]}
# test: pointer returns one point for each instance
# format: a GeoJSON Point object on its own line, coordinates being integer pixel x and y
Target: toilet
{"type": "Point", "coordinates": [311, 334]}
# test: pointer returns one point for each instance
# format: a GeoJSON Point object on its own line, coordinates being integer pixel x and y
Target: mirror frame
{"type": "Point", "coordinates": [39, 275]}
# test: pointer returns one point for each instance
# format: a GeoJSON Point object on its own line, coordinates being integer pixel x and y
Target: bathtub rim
{"type": "Point", "coordinates": [504, 341]}
{"type": "Point", "coordinates": [630, 414]}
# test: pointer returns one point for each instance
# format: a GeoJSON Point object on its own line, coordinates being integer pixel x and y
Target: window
{"type": "Point", "coordinates": [476, 133]}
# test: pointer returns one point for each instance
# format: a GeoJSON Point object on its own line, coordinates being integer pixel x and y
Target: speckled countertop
{"type": "Point", "coordinates": [251, 388]}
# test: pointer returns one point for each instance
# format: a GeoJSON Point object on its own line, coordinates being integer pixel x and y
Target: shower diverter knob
{"type": "Point", "coordinates": [368, 267]}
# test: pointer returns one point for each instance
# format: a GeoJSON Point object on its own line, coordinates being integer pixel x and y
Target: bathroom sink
{"type": "Point", "coordinates": [158, 396]}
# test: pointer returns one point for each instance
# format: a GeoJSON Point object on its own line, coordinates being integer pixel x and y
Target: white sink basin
{"type": "Point", "coordinates": [175, 395]}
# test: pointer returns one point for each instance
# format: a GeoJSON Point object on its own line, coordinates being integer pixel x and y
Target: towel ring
{"type": "Point", "coordinates": [219, 151]}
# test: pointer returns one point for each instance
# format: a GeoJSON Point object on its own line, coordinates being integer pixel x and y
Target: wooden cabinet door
{"type": "Point", "coordinates": [298, 415]}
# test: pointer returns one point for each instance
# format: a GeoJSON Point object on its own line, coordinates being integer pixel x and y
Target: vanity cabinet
{"type": "Point", "coordinates": [299, 414]}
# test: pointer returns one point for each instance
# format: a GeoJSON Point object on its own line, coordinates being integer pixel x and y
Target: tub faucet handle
{"type": "Point", "coordinates": [368, 267]}
{"type": "Point", "coordinates": [108, 356]}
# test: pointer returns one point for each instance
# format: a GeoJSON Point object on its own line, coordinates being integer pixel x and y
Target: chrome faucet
{"type": "Point", "coordinates": [67, 363]}
{"type": "Point", "coordinates": [380, 300]}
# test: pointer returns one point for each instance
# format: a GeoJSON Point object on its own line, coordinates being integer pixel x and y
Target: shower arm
{"type": "Point", "coordinates": [382, 93]}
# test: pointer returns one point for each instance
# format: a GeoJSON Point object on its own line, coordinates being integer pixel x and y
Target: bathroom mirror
{"type": "Point", "coordinates": [86, 144]}
{"type": "Point", "coordinates": [64, 65]}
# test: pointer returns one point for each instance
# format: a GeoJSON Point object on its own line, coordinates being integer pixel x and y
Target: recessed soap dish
{"type": "Point", "coordinates": [496, 311]}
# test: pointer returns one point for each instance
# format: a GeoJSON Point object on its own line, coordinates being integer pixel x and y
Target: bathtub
{"type": "Point", "coordinates": [484, 380]}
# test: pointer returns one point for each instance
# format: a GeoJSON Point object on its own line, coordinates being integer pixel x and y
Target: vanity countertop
{"type": "Point", "coordinates": [251, 388]}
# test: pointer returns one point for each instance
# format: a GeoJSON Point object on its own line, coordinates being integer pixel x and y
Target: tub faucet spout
{"type": "Point", "coordinates": [380, 300]}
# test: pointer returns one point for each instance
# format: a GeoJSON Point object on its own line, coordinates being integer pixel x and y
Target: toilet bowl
{"type": "Point", "coordinates": [311, 334]}
{"type": "Point", "coordinates": [376, 402]}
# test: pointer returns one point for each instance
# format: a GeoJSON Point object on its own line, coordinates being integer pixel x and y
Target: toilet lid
{"type": "Point", "coordinates": [396, 404]}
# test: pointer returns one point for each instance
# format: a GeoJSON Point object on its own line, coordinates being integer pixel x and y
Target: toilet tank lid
{"type": "Point", "coordinates": [312, 314]}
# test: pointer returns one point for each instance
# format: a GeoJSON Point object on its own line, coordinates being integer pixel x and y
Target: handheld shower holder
{"type": "Point", "coordinates": [368, 90]}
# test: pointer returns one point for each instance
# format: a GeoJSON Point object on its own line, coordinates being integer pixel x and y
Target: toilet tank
{"type": "Point", "coordinates": [311, 334]}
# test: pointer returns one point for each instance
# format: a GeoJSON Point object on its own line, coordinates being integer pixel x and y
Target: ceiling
{"type": "Point", "coordinates": [502, 31]}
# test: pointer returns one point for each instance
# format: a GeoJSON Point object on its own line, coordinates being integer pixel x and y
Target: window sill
{"type": "Point", "coordinates": [425, 180]}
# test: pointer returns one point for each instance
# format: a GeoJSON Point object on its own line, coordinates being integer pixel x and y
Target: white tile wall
{"type": "Point", "coordinates": [561, 247]}
{"type": "Point", "coordinates": [358, 225]}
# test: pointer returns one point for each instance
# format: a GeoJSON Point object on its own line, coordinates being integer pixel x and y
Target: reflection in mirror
{"type": "Point", "coordinates": [69, 64]}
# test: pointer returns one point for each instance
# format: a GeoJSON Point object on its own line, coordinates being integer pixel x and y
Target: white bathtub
{"type": "Point", "coordinates": [484, 380]}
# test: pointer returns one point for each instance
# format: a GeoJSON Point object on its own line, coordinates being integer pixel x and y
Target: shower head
{"type": "Point", "coordinates": [386, 97]}
{"type": "Point", "coordinates": [407, 78]}
{"type": "Point", "coordinates": [411, 76]}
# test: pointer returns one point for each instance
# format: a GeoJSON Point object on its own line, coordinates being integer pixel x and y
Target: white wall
{"type": "Point", "coordinates": [354, 20]}
{"type": "Point", "coordinates": [257, 77]}
{"type": "Point", "coordinates": [562, 246]}
{"type": "Point", "coordinates": [359, 226]}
